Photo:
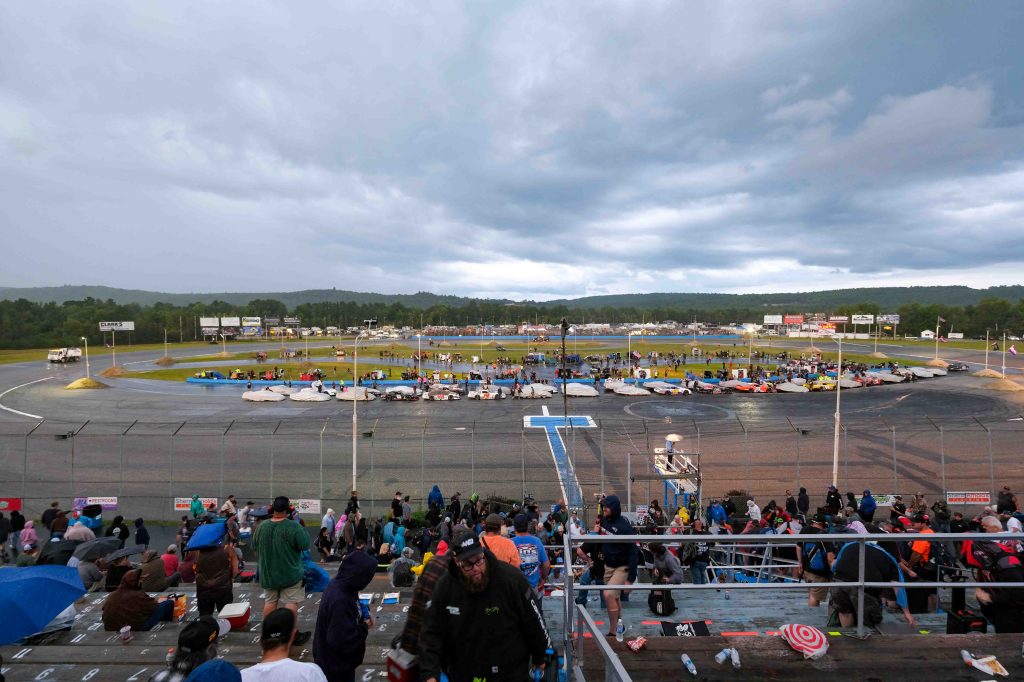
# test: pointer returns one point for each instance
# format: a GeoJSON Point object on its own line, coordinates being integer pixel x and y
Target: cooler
{"type": "Point", "coordinates": [237, 614]}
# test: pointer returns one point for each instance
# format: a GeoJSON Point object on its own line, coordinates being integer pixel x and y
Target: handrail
{"type": "Point", "coordinates": [613, 668]}
{"type": "Point", "coordinates": [573, 625]}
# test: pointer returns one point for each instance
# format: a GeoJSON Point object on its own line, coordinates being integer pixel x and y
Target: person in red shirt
{"type": "Point", "coordinates": [170, 559]}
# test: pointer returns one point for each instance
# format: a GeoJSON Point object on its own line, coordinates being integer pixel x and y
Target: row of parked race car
{"type": "Point", "coordinates": [437, 392]}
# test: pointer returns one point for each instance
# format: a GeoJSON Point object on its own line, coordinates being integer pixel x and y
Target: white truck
{"type": "Point", "coordinates": [63, 355]}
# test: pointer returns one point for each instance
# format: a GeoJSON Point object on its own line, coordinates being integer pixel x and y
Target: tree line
{"type": "Point", "coordinates": [25, 324]}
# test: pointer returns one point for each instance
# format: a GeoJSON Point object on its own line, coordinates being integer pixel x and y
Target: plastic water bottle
{"type": "Point", "coordinates": [735, 655]}
{"type": "Point", "coordinates": [689, 664]}
{"type": "Point", "coordinates": [170, 656]}
{"type": "Point", "coordinates": [722, 655]}
{"type": "Point", "coordinates": [620, 631]}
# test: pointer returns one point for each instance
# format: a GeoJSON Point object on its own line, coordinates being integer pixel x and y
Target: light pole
{"type": "Point", "coordinates": [419, 357]}
{"type": "Point", "coordinates": [565, 399]}
{"type": "Point", "coordinates": [835, 442]}
{"type": "Point", "coordinates": [355, 396]}
{"type": "Point", "coordinates": [86, 356]}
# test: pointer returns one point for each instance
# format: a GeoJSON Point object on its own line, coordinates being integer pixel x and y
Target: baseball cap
{"type": "Point", "coordinates": [905, 522]}
{"type": "Point", "coordinates": [281, 504]}
{"type": "Point", "coordinates": [200, 634]}
{"type": "Point", "coordinates": [278, 625]}
{"type": "Point", "coordinates": [919, 518]}
{"type": "Point", "coordinates": [492, 520]}
{"type": "Point", "coordinates": [217, 670]}
{"type": "Point", "coordinates": [466, 545]}
{"type": "Point", "coordinates": [521, 522]}
{"type": "Point", "coordinates": [28, 548]}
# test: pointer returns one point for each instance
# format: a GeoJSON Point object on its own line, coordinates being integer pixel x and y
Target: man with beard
{"type": "Point", "coordinates": [483, 621]}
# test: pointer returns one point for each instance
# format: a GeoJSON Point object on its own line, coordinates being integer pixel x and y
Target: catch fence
{"type": "Point", "coordinates": [146, 465]}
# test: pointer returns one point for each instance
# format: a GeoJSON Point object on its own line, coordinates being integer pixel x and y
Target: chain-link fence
{"type": "Point", "coordinates": [149, 464]}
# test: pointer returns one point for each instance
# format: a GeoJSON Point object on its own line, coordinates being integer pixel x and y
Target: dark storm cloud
{"type": "Point", "coordinates": [511, 149]}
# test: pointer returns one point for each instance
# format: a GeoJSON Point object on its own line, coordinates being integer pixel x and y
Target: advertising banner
{"type": "Point", "coordinates": [183, 503]}
{"type": "Point", "coordinates": [773, 319]}
{"type": "Point", "coordinates": [128, 326]}
{"type": "Point", "coordinates": [839, 319]}
{"type": "Point", "coordinates": [955, 335]}
{"type": "Point", "coordinates": [273, 320]}
{"type": "Point", "coordinates": [10, 504]}
{"type": "Point", "coordinates": [889, 319]}
{"type": "Point", "coordinates": [968, 497]}
{"type": "Point", "coordinates": [230, 322]}
{"type": "Point", "coordinates": [209, 322]}
{"type": "Point", "coordinates": [307, 506]}
{"type": "Point", "coordinates": [641, 511]}
{"type": "Point", "coordinates": [252, 331]}
{"type": "Point", "coordinates": [826, 328]}
{"type": "Point", "coordinates": [250, 322]}
{"type": "Point", "coordinates": [863, 319]}
{"type": "Point", "coordinates": [108, 503]}
{"type": "Point", "coordinates": [211, 331]}
{"type": "Point", "coordinates": [793, 319]}
{"type": "Point", "coordinates": [292, 320]}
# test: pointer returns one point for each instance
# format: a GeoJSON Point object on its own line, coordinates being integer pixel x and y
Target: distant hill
{"type": "Point", "coordinates": [888, 298]}
{"type": "Point", "coordinates": [290, 298]}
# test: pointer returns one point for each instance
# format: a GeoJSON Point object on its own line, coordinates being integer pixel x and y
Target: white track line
{"type": "Point", "coordinates": [11, 409]}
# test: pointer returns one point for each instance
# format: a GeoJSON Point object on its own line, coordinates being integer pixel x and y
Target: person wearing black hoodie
{"type": "Point", "coordinates": [141, 533]}
{"type": "Point", "coordinates": [117, 528]}
{"type": "Point", "coordinates": [483, 620]}
{"type": "Point", "coordinates": [339, 642]}
{"type": "Point", "coordinates": [620, 558]}
{"type": "Point", "coordinates": [803, 502]}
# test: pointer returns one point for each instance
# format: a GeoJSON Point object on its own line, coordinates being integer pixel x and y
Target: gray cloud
{"type": "Point", "coordinates": [523, 150]}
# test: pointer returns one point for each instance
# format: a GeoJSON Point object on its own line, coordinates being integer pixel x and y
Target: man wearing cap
{"type": "Point", "coordinates": [483, 621]}
{"type": "Point", "coordinates": [278, 543]}
{"type": "Point", "coordinates": [277, 635]}
{"type": "Point", "coordinates": [197, 644]}
{"type": "Point", "coordinates": [897, 509]}
{"type": "Point", "coordinates": [815, 560]}
{"type": "Point", "coordinates": [503, 548]}
{"type": "Point", "coordinates": [533, 558]}
{"type": "Point", "coordinates": [917, 566]}
{"type": "Point", "coordinates": [1006, 501]}
{"type": "Point", "coordinates": [340, 641]}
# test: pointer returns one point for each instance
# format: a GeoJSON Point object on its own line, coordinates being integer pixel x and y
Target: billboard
{"type": "Point", "coordinates": [307, 506]}
{"type": "Point", "coordinates": [968, 497]}
{"type": "Point", "coordinates": [863, 319]}
{"type": "Point", "coordinates": [793, 319]}
{"type": "Point", "coordinates": [839, 319]}
{"type": "Point", "coordinates": [827, 328]}
{"type": "Point", "coordinates": [889, 319]}
{"type": "Point", "coordinates": [773, 319]}
{"type": "Point", "coordinates": [292, 320]}
{"type": "Point", "coordinates": [209, 322]}
{"type": "Point", "coordinates": [107, 503]}
{"type": "Point", "coordinates": [117, 326]}
{"type": "Point", "coordinates": [211, 331]}
{"type": "Point", "coordinates": [10, 504]}
{"type": "Point", "coordinates": [250, 322]}
{"type": "Point", "coordinates": [272, 320]}
{"type": "Point", "coordinates": [230, 322]}
{"type": "Point", "coordinates": [184, 503]}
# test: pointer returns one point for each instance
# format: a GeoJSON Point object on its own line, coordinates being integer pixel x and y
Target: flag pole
{"type": "Point", "coordinates": [1004, 354]}
{"type": "Point", "coordinates": [986, 349]}
{"type": "Point", "coordinates": [937, 320]}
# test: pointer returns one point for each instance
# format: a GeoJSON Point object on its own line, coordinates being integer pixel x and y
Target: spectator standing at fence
{"type": "Point", "coordinates": [867, 507]}
{"type": "Point", "coordinates": [482, 622]}
{"type": "Point", "coordinates": [353, 504]}
{"type": "Point", "coordinates": [501, 547]}
{"type": "Point", "coordinates": [396, 506]}
{"type": "Point", "coordinates": [833, 500]}
{"type": "Point", "coordinates": [897, 509]}
{"type": "Point", "coordinates": [533, 558]}
{"type": "Point", "coordinates": [791, 507]}
{"type": "Point", "coordinates": [803, 502]}
{"type": "Point", "coordinates": [49, 515]}
{"type": "Point", "coordinates": [195, 507]}
{"type": "Point", "coordinates": [698, 554]}
{"type": "Point", "coordinates": [279, 542]}
{"type": "Point", "coordinates": [406, 510]}
{"type": "Point", "coordinates": [620, 558]}
{"type": "Point", "coordinates": [59, 526]}
{"type": "Point", "coordinates": [815, 560]}
{"type": "Point", "coordinates": [1006, 501]}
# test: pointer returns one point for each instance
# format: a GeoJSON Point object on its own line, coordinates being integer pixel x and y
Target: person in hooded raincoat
{"type": "Point", "coordinates": [339, 642]}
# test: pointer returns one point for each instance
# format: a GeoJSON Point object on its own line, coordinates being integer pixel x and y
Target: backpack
{"type": "Point", "coordinates": [815, 556]}
{"type": "Point", "coordinates": [661, 603]}
{"type": "Point", "coordinates": [992, 557]}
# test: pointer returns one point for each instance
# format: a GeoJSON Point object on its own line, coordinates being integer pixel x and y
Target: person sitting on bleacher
{"type": "Point", "coordinates": [129, 605]}
{"type": "Point", "coordinates": [197, 645]}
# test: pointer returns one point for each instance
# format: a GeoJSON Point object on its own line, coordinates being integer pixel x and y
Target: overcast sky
{"type": "Point", "coordinates": [511, 149]}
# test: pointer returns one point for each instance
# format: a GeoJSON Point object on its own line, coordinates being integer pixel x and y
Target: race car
{"type": "Point", "coordinates": [750, 387]}
{"type": "Point", "coordinates": [665, 388]}
{"type": "Point", "coordinates": [822, 384]}
{"type": "Point", "coordinates": [442, 395]}
{"type": "Point", "coordinates": [487, 394]}
{"type": "Point", "coordinates": [401, 393]}
{"type": "Point", "coordinates": [957, 366]}
{"type": "Point", "coordinates": [868, 380]}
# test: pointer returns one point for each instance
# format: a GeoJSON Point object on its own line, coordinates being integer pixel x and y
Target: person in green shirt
{"type": "Point", "coordinates": [279, 543]}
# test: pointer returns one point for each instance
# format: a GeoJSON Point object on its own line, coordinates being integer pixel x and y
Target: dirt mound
{"type": "Point", "coordinates": [880, 355]}
{"type": "Point", "coordinates": [224, 354]}
{"type": "Point", "coordinates": [165, 361]}
{"type": "Point", "coordinates": [1005, 385]}
{"type": "Point", "coordinates": [935, 362]}
{"type": "Point", "coordinates": [85, 383]}
{"type": "Point", "coordinates": [115, 371]}
{"type": "Point", "coordinates": [987, 374]}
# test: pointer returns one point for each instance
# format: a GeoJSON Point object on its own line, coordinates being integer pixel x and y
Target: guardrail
{"type": "Point", "coordinates": [578, 618]}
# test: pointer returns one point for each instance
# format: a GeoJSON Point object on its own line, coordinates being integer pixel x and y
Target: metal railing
{"type": "Point", "coordinates": [578, 618]}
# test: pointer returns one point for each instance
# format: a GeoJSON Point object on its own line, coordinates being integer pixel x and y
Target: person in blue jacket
{"type": "Point", "coordinates": [339, 642]}
{"type": "Point", "coordinates": [620, 558]}
{"type": "Point", "coordinates": [716, 513]}
{"type": "Point", "coordinates": [867, 508]}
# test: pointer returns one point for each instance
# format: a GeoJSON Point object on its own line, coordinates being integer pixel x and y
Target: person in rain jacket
{"type": "Point", "coordinates": [196, 507]}
{"type": "Point", "coordinates": [399, 543]}
{"type": "Point", "coordinates": [435, 498]}
{"type": "Point", "coordinates": [717, 513]}
{"type": "Point", "coordinates": [867, 508]}
{"type": "Point", "coordinates": [141, 533]}
{"type": "Point", "coordinates": [620, 558]}
{"type": "Point", "coordinates": [339, 642]}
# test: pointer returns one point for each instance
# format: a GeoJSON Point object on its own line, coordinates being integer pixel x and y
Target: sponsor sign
{"type": "Point", "coordinates": [209, 322]}
{"type": "Point", "coordinates": [252, 331]}
{"type": "Point", "coordinates": [273, 320]}
{"type": "Point", "coordinates": [211, 331]}
{"type": "Point", "coordinates": [793, 319]}
{"type": "Point", "coordinates": [641, 511]}
{"type": "Point", "coordinates": [863, 319]}
{"type": "Point", "coordinates": [184, 503]}
{"type": "Point", "coordinates": [773, 319]}
{"type": "Point", "coordinates": [839, 319]}
{"type": "Point", "coordinates": [889, 319]}
{"type": "Point", "coordinates": [307, 506]}
{"type": "Point", "coordinates": [955, 335]}
{"type": "Point", "coordinates": [292, 320]}
{"type": "Point", "coordinates": [826, 328]}
{"type": "Point", "coordinates": [10, 504]}
{"type": "Point", "coordinates": [108, 503]}
{"type": "Point", "coordinates": [969, 497]}
{"type": "Point", "coordinates": [128, 326]}
{"type": "Point", "coordinates": [230, 322]}
{"type": "Point", "coordinates": [250, 322]}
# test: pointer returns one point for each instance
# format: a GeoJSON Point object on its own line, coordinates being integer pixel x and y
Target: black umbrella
{"type": "Point", "coordinates": [94, 549]}
{"type": "Point", "coordinates": [127, 551]}
{"type": "Point", "coordinates": [260, 513]}
{"type": "Point", "coordinates": [57, 553]}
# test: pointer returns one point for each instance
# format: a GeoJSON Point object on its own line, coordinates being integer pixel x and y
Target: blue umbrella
{"type": "Point", "coordinates": [31, 597]}
{"type": "Point", "coordinates": [207, 535]}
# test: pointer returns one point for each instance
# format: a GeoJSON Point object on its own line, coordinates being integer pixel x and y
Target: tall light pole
{"type": "Point", "coordinates": [835, 443]}
{"type": "Point", "coordinates": [355, 396]}
{"type": "Point", "coordinates": [419, 358]}
{"type": "Point", "coordinates": [86, 356]}
{"type": "Point", "coordinates": [565, 399]}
